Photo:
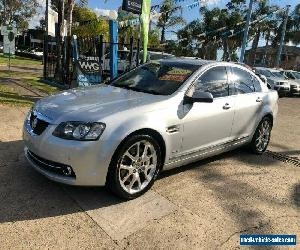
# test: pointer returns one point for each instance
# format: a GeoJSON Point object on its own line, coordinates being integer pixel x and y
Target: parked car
{"type": "Point", "coordinates": [275, 79]}
{"type": "Point", "coordinates": [124, 55]}
{"type": "Point", "coordinates": [159, 116]}
{"type": "Point", "coordinates": [294, 77]}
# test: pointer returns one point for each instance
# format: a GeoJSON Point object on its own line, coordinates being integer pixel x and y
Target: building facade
{"type": "Point", "coordinates": [266, 56]}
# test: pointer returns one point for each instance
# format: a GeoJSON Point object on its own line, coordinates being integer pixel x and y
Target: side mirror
{"type": "Point", "coordinates": [198, 96]}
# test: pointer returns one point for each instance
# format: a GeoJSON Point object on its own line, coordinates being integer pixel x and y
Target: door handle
{"type": "Point", "coordinates": [226, 106]}
{"type": "Point", "coordinates": [258, 99]}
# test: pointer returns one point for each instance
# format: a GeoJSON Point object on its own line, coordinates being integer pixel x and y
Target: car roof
{"type": "Point", "coordinates": [261, 68]}
{"type": "Point", "coordinates": [183, 60]}
{"type": "Point", "coordinates": [274, 70]}
{"type": "Point", "coordinates": [289, 70]}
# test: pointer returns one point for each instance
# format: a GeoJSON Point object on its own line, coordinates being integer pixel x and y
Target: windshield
{"type": "Point", "coordinates": [297, 75]}
{"type": "Point", "coordinates": [160, 78]}
{"type": "Point", "coordinates": [264, 72]}
{"type": "Point", "coordinates": [278, 74]}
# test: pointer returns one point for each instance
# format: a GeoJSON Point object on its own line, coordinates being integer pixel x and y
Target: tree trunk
{"type": "Point", "coordinates": [266, 48]}
{"type": "Point", "coordinates": [162, 38]}
{"type": "Point", "coordinates": [59, 42]}
{"type": "Point", "coordinates": [225, 49]}
{"type": "Point", "coordinates": [71, 4]}
{"type": "Point", "coordinates": [254, 47]}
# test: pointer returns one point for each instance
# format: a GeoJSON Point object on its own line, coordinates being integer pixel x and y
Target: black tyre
{"type": "Point", "coordinates": [261, 136]}
{"type": "Point", "coordinates": [134, 166]}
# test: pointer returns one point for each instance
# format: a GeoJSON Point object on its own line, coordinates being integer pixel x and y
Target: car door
{"type": "Point", "coordinates": [249, 100]}
{"type": "Point", "coordinates": [209, 124]}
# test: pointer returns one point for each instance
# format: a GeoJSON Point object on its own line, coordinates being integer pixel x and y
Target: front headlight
{"type": "Point", "coordinates": [80, 131]}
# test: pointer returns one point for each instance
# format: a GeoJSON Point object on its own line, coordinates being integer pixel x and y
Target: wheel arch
{"type": "Point", "coordinates": [270, 116]}
{"type": "Point", "coordinates": [144, 131]}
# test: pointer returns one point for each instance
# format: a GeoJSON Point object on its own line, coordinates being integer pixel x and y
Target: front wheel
{"type": "Point", "coordinates": [134, 167]}
{"type": "Point", "coordinates": [261, 136]}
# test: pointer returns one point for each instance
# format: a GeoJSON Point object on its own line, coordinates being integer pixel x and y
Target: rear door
{"type": "Point", "coordinates": [249, 100]}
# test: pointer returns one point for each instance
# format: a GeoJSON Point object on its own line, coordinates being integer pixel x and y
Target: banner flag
{"type": "Point", "coordinates": [145, 19]}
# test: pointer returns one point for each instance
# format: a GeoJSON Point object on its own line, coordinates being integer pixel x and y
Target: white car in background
{"type": "Point", "coordinates": [275, 79]}
{"type": "Point", "coordinates": [124, 56]}
{"type": "Point", "coordinates": [294, 77]}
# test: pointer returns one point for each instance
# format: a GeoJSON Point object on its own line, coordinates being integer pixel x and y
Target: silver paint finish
{"type": "Point", "coordinates": [190, 132]}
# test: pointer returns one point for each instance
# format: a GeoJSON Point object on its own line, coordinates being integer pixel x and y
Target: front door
{"type": "Point", "coordinates": [209, 124]}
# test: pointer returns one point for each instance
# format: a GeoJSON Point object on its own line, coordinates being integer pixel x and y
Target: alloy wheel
{"type": "Point", "coordinates": [263, 136]}
{"type": "Point", "coordinates": [137, 166]}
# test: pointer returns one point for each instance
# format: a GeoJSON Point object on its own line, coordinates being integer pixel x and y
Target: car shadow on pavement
{"type": "Point", "coordinates": [27, 195]}
{"type": "Point", "coordinates": [246, 202]}
{"type": "Point", "coordinates": [296, 195]}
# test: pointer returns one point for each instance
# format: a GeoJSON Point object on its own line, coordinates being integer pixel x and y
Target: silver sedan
{"type": "Point", "coordinates": [158, 116]}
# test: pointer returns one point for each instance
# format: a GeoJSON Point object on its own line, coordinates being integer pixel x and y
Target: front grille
{"type": "Point", "coordinates": [51, 166]}
{"type": "Point", "coordinates": [37, 125]}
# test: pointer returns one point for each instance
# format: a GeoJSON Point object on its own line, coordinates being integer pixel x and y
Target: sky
{"type": "Point", "coordinates": [189, 15]}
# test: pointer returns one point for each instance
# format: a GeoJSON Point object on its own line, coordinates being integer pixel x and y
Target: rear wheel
{"type": "Point", "coordinates": [261, 136]}
{"type": "Point", "coordinates": [134, 167]}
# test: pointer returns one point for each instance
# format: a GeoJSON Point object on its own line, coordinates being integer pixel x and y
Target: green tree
{"type": "Point", "coordinates": [86, 23]}
{"type": "Point", "coordinates": [170, 16]}
{"type": "Point", "coordinates": [69, 6]}
{"type": "Point", "coordinates": [220, 26]}
{"type": "Point", "coordinates": [293, 26]}
{"type": "Point", "coordinates": [19, 11]}
{"type": "Point", "coordinates": [261, 27]}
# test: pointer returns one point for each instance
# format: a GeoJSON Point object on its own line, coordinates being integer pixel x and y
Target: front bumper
{"type": "Point", "coordinates": [88, 160]}
{"type": "Point", "coordinates": [282, 89]}
{"type": "Point", "coordinates": [295, 89]}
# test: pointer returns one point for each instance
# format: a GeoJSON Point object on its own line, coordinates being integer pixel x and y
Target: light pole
{"type": "Point", "coordinates": [45, 53]}
{"type": "Point", "coordinates": [277, 62]}
{"type": "Point", "coordinates": [245, 38]}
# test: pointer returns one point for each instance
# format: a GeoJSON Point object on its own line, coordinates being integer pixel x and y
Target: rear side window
{"type": "Point", "coordinates": [290, 75]}
{"type": "Point", "coordinates": [242, 80]}
{"type": "Point", "coordinates": [214, 81]}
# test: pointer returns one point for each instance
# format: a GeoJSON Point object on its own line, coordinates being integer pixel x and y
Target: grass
{"type": "Point", "coordinates": [9, 96]}
{"type": "Point", "coordinates": [22, 82]}
{"type": "Point", "coordinates": [20, 61]}
{"type": "Point", "coordinates": [26, 85]}
{"type": "Point", "coordinates": [31, 79]}
{"type": "Point", "coordinates": [35, 82]}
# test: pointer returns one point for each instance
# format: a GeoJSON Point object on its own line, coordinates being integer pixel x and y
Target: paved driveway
{"type": "Point", "coordinates": [205, 205]}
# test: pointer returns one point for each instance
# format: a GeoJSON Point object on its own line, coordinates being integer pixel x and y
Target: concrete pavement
{"type": "Point", "coordinates": [205, 205]}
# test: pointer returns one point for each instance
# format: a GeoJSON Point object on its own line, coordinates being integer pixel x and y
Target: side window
{"type": "Point", "coordinates": [256, 84]}
{"type": "Point", "coordinates": [242, 80]}
{"type": "Point", "coordinates": [214, 81]}
{"type": "Point", "coordinates": [290, 75]}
